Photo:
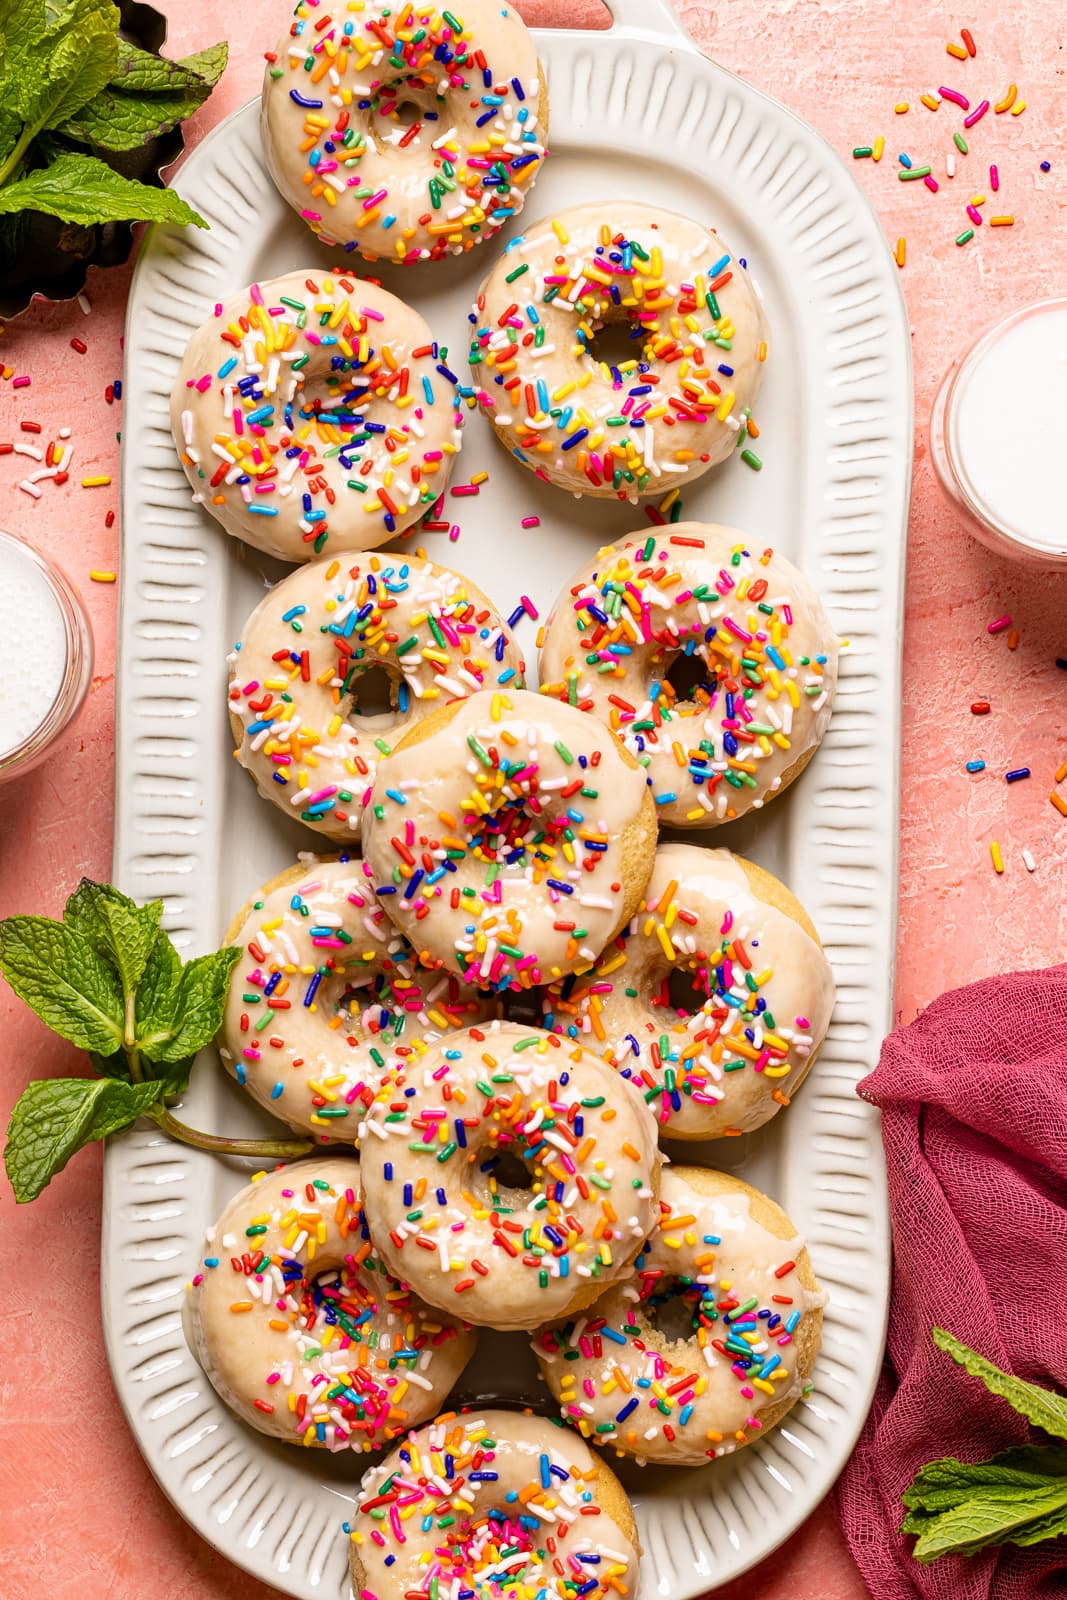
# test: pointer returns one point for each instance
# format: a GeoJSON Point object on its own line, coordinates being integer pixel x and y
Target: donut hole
{"type": "Point", "coordinates": [672, 1309]}
{"type": "Point", "coordinates": [503, 1181]}
{"type": "Point", "coordinates": [688, 674]}
{"type": "Point", "coordinates": [398, 107]}
{"type": "Point", "coordinates": [616, 342]}
{"type": "Point", "coordinates": [687, 990]}
{"type": "Point", "coordinates": [374, 693]}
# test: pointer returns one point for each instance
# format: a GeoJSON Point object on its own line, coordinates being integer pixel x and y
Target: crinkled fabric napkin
{"type": "Point", "coordinates": [973, 1097]}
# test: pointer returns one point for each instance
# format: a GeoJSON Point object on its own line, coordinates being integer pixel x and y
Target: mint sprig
{"type": "Point", "coordinates": [1017, 1497]}
{"type": "Point", "coordinates": [108, 979]}
{"type": "Point", "coordinates": [68, 80]}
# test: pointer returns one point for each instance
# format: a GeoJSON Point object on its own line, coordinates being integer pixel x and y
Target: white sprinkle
{"type": "Point", "coordinates": [1028, 862]}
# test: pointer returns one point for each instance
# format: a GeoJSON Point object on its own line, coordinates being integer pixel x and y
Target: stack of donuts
{"type": "Point", "coordinates": [497, 1001]}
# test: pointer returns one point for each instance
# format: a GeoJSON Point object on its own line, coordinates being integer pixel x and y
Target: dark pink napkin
{"type": "Point", "coordinates": [974, 1120]}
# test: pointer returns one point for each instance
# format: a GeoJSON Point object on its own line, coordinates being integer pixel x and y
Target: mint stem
{"type": "Point", "coordinates": [25, 139]}
{"type": "Point", "coordinates": [268, 1149]}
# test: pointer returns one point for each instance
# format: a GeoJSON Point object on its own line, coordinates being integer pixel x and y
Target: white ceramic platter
{"type": "Point", "coordinates": [636, 113]}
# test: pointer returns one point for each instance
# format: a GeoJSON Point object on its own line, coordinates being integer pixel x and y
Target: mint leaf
{"type": "Point", "coordinates": [1042, 1407]}
{"type": "Point", "coordinates": [208, 64]}
{"type": "Point", "coordinates": [171, 1077]}
{"type": "Point", "coordinates": [53, 73]}
{"type": "Point", "coordinates": [942, 1484]}
{"type": "Point", "coordinates": [201, 999]}
{"type": "Point", "coordinates": [148, 96]}
{"type": "Point", "coordinates": [157, 995]}
{"type": "Point", "coordinates": [79, 188]}
{"type": "Point", "coordinates": [985, 1519]}
{"type": "Point", "coordinates": [55, 1118]}
{"type": "Point", "coordinates": [116, 1065]}
{"type": "Point", "coordinates": [116, 121]}
{"type": "Point", "coordinates": [120, 929]}
{"type": "Point", "coordinates": [140, 72]}
{"type": "Point", "coordinates": [60, 976]}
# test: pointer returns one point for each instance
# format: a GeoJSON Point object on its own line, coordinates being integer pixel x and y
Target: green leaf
{"type": "Point", "coordinates": [946, 1482]}
{"type": "Point", "coordinates": [157, 995]}
{"type": "Point", "coordinates": [79, 188]}
{"type": "Point", "coordinates": [984, 1520]}
{"type": "Point", "coordinates": [116, 121]}
{"type": "Point", "coordinates": [55, 1118]}
{"type": "Point", "coordinates": [60, 976]}
{"type": "Point", "coordinates": [208, 64]}
{"type": "Point", "coordinates": [51, 75]}
{"type": "Point", "coordinates": [121, 930]}
{"type": "Point", "coordinates": [140, 72]}
{"type": "Point", "coordinates": [171, 1076]}
{"type": "Point", "coordinates": [1042, 1407]}
{"type": "Point", "coordinates": [202, 995]}
{"type": "Point", "coordinates": [116, 1065]}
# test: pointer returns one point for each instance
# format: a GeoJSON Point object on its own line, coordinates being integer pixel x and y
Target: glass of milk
{"type": "Point", "coordinates": [998, 434]}
{"type": "Point", "coordinates": [48, 655]}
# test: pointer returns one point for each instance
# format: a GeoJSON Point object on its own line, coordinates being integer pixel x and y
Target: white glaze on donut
{"type": "Point", "coordinates": [655, 419]}
{"type": "Point", "coordinates": [763, 989]}
{"type": "Point", "coordinates": [327, 997]}
{"type": "Point", "coordinates": [307, 1338]}
{"type": "Point", "coordinates": [509, 1257]}
{"type": "Point", "coordinates": [515, 1509]}
{"type": "Point", "coordinates": [296, 670]}
{"type": "Point", "coordinates": [737, 736]}
{"type": "Point", "coordinates": [393, 133]}
{"type": "Point", "coordinates": [525, 874]}
{"type": "Point", "coordinates": [313, 416]}
{"type": "Point", "coordinates": [622, 1371]}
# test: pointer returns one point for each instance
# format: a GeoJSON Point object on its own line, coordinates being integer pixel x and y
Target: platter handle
{"type": "Point", "coordinates": [648, 16]}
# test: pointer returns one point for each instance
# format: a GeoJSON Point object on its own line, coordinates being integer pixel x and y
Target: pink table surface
{"type": "Point", "coordinates": [83, 1519]}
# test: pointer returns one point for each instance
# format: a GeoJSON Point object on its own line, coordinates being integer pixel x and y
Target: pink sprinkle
{"type": "Point", "coordinates": [802, 1022]}
{"type": "Point", "coordinates": [257, 294]}
{"type": "Point", "coordinates": [976, 115]}
{"type": "Point", "coordinates": [931, 183]}
{"type": "Point", "coordinates": [453, 533]}
{"type": "Point", "coordinates": [960, 100]}
{"type": "Point", "coordinates": [203, 384]}
{"type": "Point", "coordinates": [975, 215]}
{"type": "Point", "coordinates": [994, 179]}
{"type": "Point", "coordinates": [375, 316]}
{"type": "Point", "coordinates": [999, 625]}
{"type": "Point", "coordinates": [535, 522]}
{"type": "Point", "coordinates": [218, 308]}
{"type": "Point", "coordinates": [529, 607]}
{"type": "Point", "coordinates": [464, 489]}
{"type": "Point", "coordinates": [20, 383]}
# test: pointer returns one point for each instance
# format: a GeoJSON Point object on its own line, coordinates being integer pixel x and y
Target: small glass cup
{"type": "Point", "coordinates": [47, 636]}
{"type": "Point", "coordinates": [997, 434]}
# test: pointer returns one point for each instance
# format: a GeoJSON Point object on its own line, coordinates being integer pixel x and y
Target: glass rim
{"type": "Point", "coordinates": [77, 667]}
{"type": "Point", "coordinates": [965, 370]}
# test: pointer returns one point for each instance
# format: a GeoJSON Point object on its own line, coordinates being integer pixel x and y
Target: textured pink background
{"type": "Point", "coordinates": [82, 1518]}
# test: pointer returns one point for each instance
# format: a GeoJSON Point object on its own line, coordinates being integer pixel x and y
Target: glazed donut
{"type": "Point", "coordinates": [758, 979]}
{"type": "Point", "coordinates": [327, 1350]}
{"type": "Point", "coordinates": [493, 1503]}
{"type": "Point", "coordinates": [296, 673]}
{"type": "Point", "coordinates": [403, 131]}
{"type": "Point", "coordinates": [731, 1261]}
{"type": "Point", "coordinates": [509, 1256]}
{"type": "Point", "coordinates": [327, 997]}
{"type": "Point", "coordinates": [512, 838]}
{"type": "Point", "coordinates": [746, 634]}
{"type": "Point", "coordinates": [621, 427]}
{"type": "Point", "coordinates": [313, 415]}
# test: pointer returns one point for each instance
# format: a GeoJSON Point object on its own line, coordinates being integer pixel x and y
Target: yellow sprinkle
{"type": "Point", "coordinates": [879, 146]}
{"type": "Point", "coordinates": [101, 577]}
{"type": "Point", "coordinates": [902, 106]}
{"type": "Point", "coordinates": [902, 251]}
{"type": "Point", "coordinates": [1001, 222]}
{"type": "Point", "coordinates": [930, 101]}
{"type": "Point", "coordinates": [96, 483]}
{"type": "Point", "coordinates": [956, 50]}
{"type": "Point", "coordinates": [998, 859]}
{"type": "Point", "coordinates": [1018, 108]}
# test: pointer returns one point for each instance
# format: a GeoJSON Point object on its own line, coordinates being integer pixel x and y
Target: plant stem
{"type": "Point", "coordinates": [25, 139]}
{"type": "Point", "coordinates": [268, 1149]}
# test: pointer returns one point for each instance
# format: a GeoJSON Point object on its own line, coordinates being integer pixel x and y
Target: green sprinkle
{"type": "Point", "coordinates": [909, 175]}
{"type": "Point", "coordinates": [751, 459]}
{"type": "Point", "coordinates": [961, 143]}
{"type": "Point", "coordinates": [863, 150]}
{"type": "Point", "coordinates": [963, 237]}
